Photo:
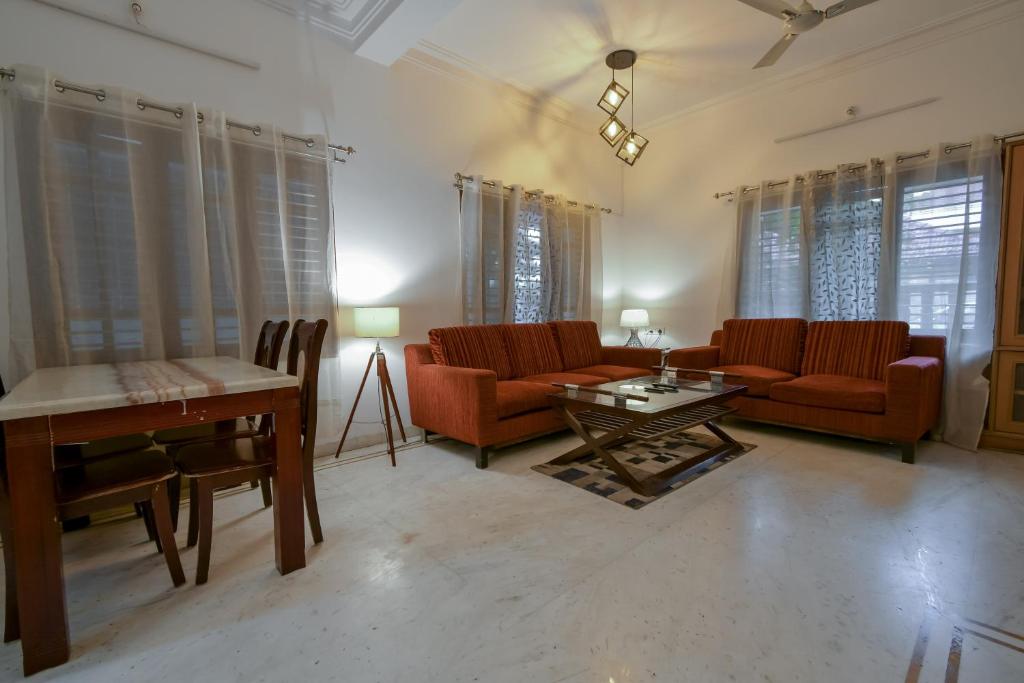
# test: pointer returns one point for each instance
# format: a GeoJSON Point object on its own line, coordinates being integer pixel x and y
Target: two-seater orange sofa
{"type": "Point", "coordinates": [488, 385]}
{"type": "Point", "coordinates": [869, 379]}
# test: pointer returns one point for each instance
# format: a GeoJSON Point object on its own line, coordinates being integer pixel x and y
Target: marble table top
{"type": "Point", "coordinates": [54, 391]}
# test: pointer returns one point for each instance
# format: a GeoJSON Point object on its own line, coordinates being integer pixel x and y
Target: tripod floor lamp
{"type": "Point", "coordinates": [377, 323]}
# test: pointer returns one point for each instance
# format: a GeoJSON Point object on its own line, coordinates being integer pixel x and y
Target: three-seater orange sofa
{"type": "Point", "coordinates": [869, 379]}
{"type": "Point", "coordinates": [488, 385]}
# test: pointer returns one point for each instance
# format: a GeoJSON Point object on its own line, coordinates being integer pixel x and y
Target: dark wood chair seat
{"type": "Point", "coordinates": [112, 476]}
{"type": "Point", "coordinates": [215, 457]}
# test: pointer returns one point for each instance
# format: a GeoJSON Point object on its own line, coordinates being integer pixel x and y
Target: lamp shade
{"type": "Point", "coordinates": [376, 322]}
{"type": "Point", "coordinates": [634, 317]}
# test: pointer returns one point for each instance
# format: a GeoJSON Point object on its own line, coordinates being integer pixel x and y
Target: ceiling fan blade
{"type": "Point", "coordinates": [845, 6]}
{"type": "Point", "coordinates": [776, 8]}
{"type": "Point", "coordinates": [778, 48]}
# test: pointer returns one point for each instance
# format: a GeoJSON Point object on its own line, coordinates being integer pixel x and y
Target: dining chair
{"type": "Point", "coordinates": [91, 486]}
{"type": "Point", "coordinates": [268, 354]}
{"type": "Point", "coordinates": [212, 465]}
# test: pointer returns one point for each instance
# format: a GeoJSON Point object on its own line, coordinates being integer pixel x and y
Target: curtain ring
{"type": "Point", "coordinates": [256, 130]}
{"type": "Point", "coordinates": [948, 149]}
{"type": "Point", "coordinates": [199, 117]}
{"type": "Point", "coordinates": [101, 95]}
{"type": "Point", "coordinates": [178, 113]}
{"type": "Point", "coordinates": [140, 104]}
{"type": "Point", "coordinates": [310, 142]}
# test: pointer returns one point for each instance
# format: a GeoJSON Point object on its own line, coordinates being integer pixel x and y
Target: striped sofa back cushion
{"type": "Point", "coordinates": [775, 343]}
{"type": "Point", "coordinates": [471, 346]}
{"type": "Point", "coordinates": [531, 348]}
{"type": "Point", "coordinates": [578, 342]}
{"type": "Point", "coordinates": [855, 348]}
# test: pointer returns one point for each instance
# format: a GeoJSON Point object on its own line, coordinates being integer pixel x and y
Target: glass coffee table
{"type": "Point", "coordinates": [610, 414]}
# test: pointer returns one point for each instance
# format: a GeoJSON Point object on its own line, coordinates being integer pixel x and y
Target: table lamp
{"type": "Point", "coordinates": [634, 319]}
{"type": "Point", "coordinates": [377, 323]}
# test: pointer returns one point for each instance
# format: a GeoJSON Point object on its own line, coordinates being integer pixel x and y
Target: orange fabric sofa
{"type": "Point", "coordinates": [488, 385]}
{"type": "Point", "coordinates": [870, 379]}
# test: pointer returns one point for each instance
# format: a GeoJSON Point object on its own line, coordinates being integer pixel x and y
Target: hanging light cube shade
{"type": "Point", "coordinates": [633, 145]}
{"type": "Point", "coordinates": [613, 97]}
{"type": "Point", "coordinates": [612, 130]}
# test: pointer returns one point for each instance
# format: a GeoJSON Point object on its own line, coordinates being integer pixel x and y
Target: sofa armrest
{"type": "Point", "coordinates": [630, 356]}
{"type": "Point", "coordinates": [913, 394]}
{"type": "Point", "coordinates": [694, 358]}
{"type": "Point", "coordinates": [458, 402]}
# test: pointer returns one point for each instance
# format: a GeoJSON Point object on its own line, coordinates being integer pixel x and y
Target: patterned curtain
{"type": "Point", "coordinates": [843, 224]}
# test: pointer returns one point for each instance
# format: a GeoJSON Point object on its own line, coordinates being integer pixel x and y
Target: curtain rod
{"type": "Point", "coordinates": [460, 178]}
{"type": "Point", "coordinates": [143, 104]}
{"type": "Point", "coordinates": [856, 167]}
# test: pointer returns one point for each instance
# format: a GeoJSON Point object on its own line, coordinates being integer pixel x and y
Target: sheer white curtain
{"type": "Point", "coordinates": [945, 219]}
{"type": "Point", "coordinates": [132, 233]}
{"type": "Point", "coordinates": [525, 258]}
{"type": "Point", "coordinates": [914, 240]}
{"type": "Point", "coordinates": [772, 256]}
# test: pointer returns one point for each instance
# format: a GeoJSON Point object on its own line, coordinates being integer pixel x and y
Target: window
{"type": "Point", "coordinates": [940, 224]}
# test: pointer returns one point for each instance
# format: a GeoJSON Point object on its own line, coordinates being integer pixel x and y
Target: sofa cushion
{"type": "Point", "coordinates": [757, 379]}
{"type": "Point", "coordinates": [832, 391]}
{"type": "Point", "coordinates": [855, 348]}
{"type": "Point", "coordinates": [775, 343]}
{"type": "Point", "coordinates": [516, 397]}
{"type": "Point", "coordinates": [578, 342]}
{"type": "Point", "coordinates": [613, 373]}
{"type": "Point", "coordinates": [471, 346]}
{"type": "Point", "coordinates": [565, 378]}
{"type": "Point", "coordinates": [531, 348]}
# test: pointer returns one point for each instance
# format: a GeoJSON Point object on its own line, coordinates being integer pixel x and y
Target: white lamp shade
{"type": "Point", "coordinates": [634, 317]}
{"type": "Point", "coordinates": [376, 322]}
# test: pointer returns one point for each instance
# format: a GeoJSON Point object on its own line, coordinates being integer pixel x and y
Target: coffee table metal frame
{"type": "Point", "coordinates": [604, 426]}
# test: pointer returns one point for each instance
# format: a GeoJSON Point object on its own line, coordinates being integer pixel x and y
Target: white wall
{"type": "Point", "coordinates": [678, 240]}
{"type": "Point", "coordinates": [397, 213]}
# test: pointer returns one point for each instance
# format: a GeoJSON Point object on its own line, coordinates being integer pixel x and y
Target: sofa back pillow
{"type": "Point", "coordinates": [471, 346]}
{"type": "Point", "coordinates": [855, 348]}
{"type": "Point", "coordinates": [531, 348]}
{"type": "Point", "coordinates": [578, 342]}
{"type": "Point", "coordinates": [775, 343]}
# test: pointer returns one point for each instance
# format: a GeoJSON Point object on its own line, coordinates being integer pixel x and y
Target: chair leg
{"type": "Point", "coordinates": [174, 496]}
{"type": "Point", "coordinates": [268, 497]}
{"type": "Point", "coordinates": [193, 513]}
{"type": "Point", "coordinates": [205, 505]}
{"type": "Point", "coordinates": [147, 518]}
{"type": "Point", "coordinates": [161, 507]}
{"type": "Point", "coordinates": [12, 629]}
{"type": "Point", "coordinates": [309, 491]}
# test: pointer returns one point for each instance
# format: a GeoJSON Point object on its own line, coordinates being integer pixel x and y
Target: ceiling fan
{"type": "Point", "coordinates": [798, 20]}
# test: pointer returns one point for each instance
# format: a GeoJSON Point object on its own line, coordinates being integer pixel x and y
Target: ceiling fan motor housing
{"type": "Point", "coordinates": [805, 21]}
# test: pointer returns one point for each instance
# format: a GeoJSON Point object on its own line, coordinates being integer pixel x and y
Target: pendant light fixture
{"type": "Point", "coordinates": [630, 143]}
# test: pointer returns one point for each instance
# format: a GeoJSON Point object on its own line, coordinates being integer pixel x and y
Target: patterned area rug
{"type": "Point", "coordinates": [642, 458]}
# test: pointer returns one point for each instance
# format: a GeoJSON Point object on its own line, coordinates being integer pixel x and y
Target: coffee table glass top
{"type": "Point", "coordinates": [687, 391]}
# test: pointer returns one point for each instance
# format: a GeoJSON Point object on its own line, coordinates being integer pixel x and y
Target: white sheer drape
{"type": "Point", "coordinates": [525, 258]}
{"type": "Point", "coordinates": [915, 240]}
{"type": "Point", "coordinates": [131, 233]}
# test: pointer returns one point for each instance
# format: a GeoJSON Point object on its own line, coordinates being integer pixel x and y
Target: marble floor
{"type": "Point", "coordinates": [810, 558]}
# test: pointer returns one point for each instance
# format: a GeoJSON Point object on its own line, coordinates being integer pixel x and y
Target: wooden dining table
{"type": "Point", "coordinates": [87, 402]}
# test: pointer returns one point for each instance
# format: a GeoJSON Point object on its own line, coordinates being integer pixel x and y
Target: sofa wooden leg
{"type": "Point", "coordinates": [909, 452]}
{"type": "Point", "coordinates": [426, 435]}
{"type": "Point", "coordinates": [482, 456]}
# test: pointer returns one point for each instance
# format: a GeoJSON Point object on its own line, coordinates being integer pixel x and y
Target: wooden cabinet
{"type": "Point", "coordinates": [1005, 428]}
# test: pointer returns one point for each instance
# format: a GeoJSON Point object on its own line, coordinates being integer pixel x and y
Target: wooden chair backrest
{"type": "Point", "coordinates": [307, 342]}
{"type": "Point", "coordinates": [269, 343]}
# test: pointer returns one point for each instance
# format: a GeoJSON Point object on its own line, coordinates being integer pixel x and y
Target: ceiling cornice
{"type": "Point", "coordinates": [976, 18]}
{"type": "Point", "coordinates": [439, 60]}
{"type": "Point", "coordinates": [938, 31]}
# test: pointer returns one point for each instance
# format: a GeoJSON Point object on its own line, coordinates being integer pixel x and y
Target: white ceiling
{"type": "Point", "coordinates": [691, 51]}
